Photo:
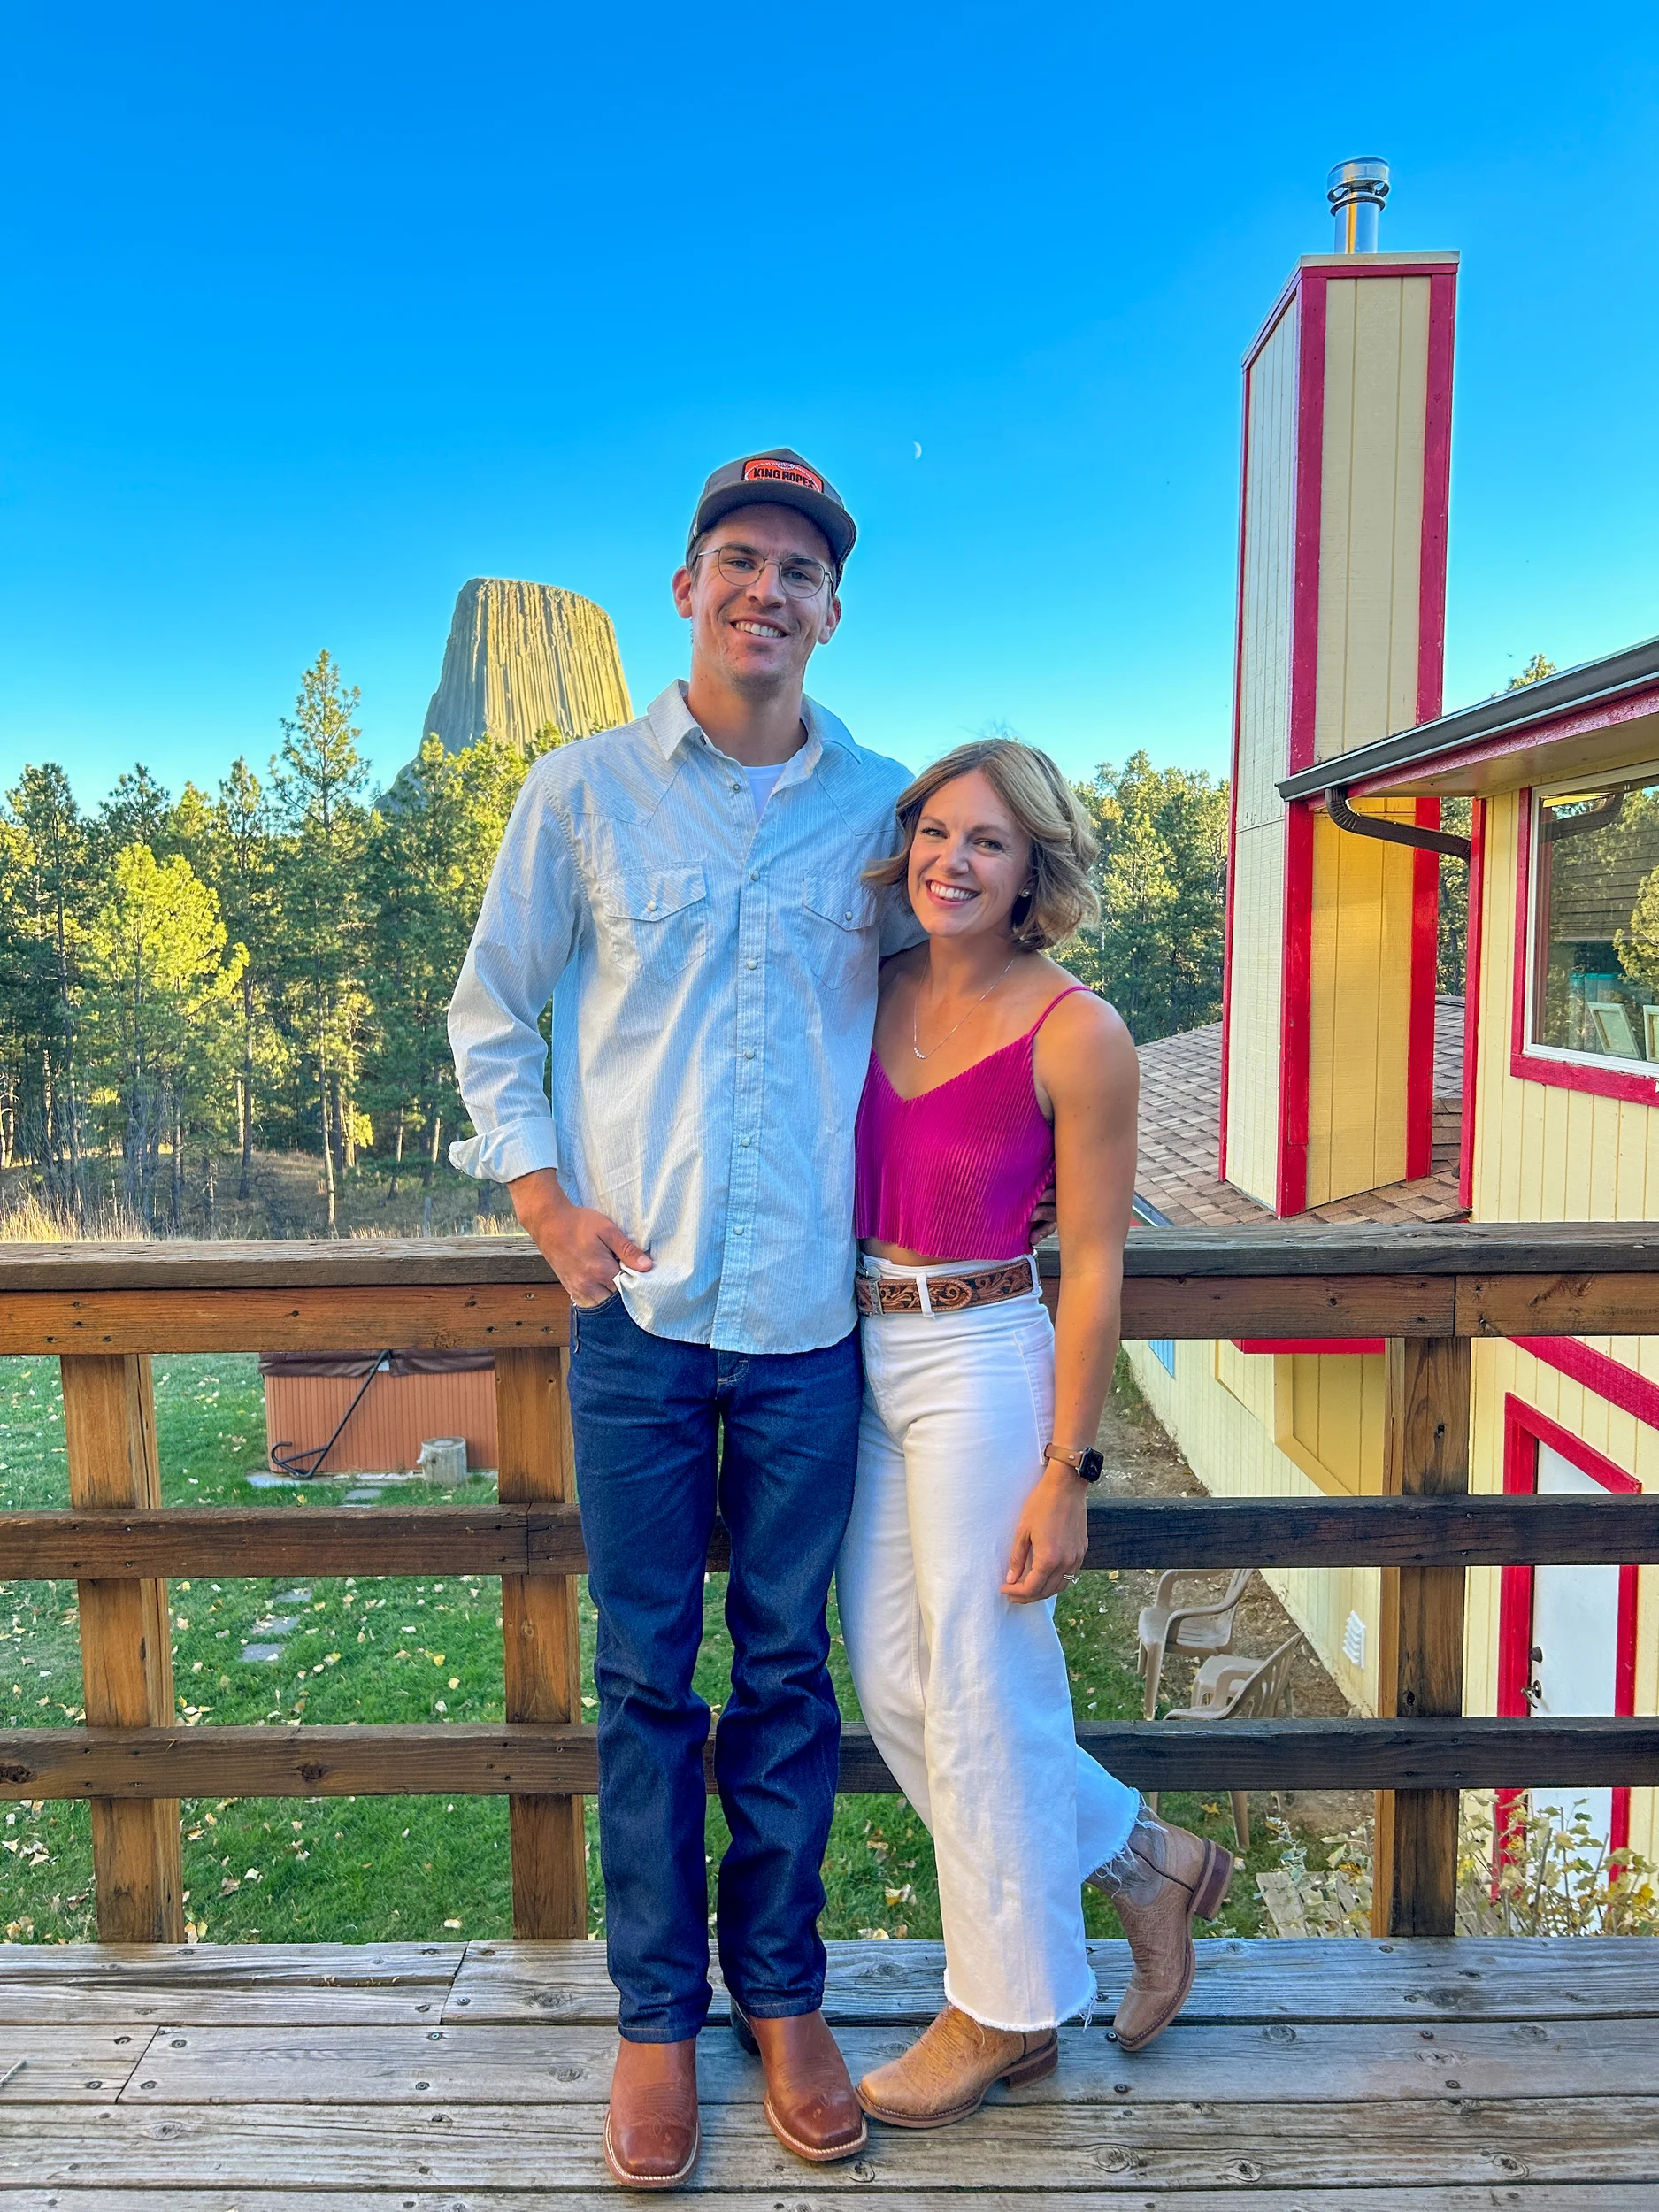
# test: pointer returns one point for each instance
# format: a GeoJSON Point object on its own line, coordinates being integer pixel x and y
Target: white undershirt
{"type": "Point", "coordinates": [761, 781]}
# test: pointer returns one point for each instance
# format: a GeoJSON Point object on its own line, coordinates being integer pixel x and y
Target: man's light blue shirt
{"type": "Point", "coordinates": [713, 981]}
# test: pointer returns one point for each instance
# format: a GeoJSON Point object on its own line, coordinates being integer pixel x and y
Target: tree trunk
{"type": "Point", "coordinates": [337, 1117]}
{"type": "Point", "coordinates": [175, 1195]}
{"type": "Point", "coordinates": [432, 1156]}
{"type": "Point", "coordinates": [398, 1156]}
{"type": "Point", "coordinates": [210, 1194]}
{"type": "Point", "coordinates": [246, 1103]}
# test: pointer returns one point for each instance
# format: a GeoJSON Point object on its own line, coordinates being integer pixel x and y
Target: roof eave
{"type": "Point", "coordinates": [1602, 714]}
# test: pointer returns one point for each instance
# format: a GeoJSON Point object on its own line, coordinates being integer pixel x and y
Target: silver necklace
{"type": "Point", "coordinates": [916, 1042]}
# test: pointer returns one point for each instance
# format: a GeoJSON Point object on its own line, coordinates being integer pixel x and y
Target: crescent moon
{"type": "Point", "coordinates": [917, 444]}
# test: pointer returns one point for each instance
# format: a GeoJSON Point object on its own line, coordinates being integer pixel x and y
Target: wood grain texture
{"type": "Point", "coordinates": [1044, 2149]}
{"type": "Point", "coordinates": [126, 1645]}
{"type": "Point", "coordinates": [855, 2196]}
{"type": "Point", "coordinates": [441, 1317]}
{"type": "Point", "coordinates": [1159, 1532]}
{"type": "Point", "coordinates": [550, 1759]}
{"type": "Point", "coordinates": [543, 1646]}
{"type": "Point", "coordinates": [1577, 1304]}
{"type": "Point", "coordinates": [80, 2064]}
{"type": "Point", "coordinates": [1420, 1657]}
{"type": "Point", "coordinates": [1275, 2064]}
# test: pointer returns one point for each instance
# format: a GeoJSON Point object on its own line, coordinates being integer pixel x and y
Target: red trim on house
{"type": "Point", "coordinates": [1233, 789]}
{"type": "Point", "coordinates": [1346, 1344]}
{"type": "Point", "coordinates": [1426, 915]}
{"type": "Point", "coordinates": [1611, 1379]}
{"type": "Point", "coordinates": [1304, 645]}
{"type": "Point", "coordinates": [1437, 480]}
{"type": "Point", "coordinates": [1425, 882]}
{"type": "Point", "coordinates": [1524, 1429]}
{"type": "Point", "coordinates": [1472, 999]}
{"type": "Point", "coordinates": [1322, 268]}
{"type": "Point", "coordinates": [1295, 1012]}
{"type": "Point", "coordinates": [1526, 1065]}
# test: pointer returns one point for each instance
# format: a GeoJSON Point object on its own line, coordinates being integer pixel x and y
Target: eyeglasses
{"type": "Point", "coordinates": [799, 577]}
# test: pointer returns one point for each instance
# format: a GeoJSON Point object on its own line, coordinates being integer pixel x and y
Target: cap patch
{"type": "Point", "coordinates": [765, 471]}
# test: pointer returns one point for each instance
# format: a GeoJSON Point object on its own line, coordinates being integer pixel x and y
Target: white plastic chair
{"type": "Point", "coordinates": [1200, 1631]}
{"type": "Point", "coordinates": [1236, 1688]}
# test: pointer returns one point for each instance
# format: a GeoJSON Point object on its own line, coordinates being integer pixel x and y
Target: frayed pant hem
{"type": "Point", "coordinates": [1083, 2010]}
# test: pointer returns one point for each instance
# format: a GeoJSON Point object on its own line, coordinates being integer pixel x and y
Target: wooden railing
{"type": "Point", "coordinates": [105, 1309]}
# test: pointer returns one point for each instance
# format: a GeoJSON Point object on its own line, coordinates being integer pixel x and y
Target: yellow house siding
{"type": "Point", "coordinates": [1231, 1449]}
{"type": "Point", "coordinates": [1376, 397]}
{"type": "Point", "coordinates": [1360, 1010]}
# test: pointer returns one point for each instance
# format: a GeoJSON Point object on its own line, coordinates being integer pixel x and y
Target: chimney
{"type": "Point", "coordinates": [1357, 190]}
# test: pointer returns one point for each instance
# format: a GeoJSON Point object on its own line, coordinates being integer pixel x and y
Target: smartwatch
{"type": "Point", "coordinates": [1086, 1464]}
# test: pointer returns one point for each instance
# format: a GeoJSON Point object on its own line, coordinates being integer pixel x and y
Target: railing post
{"type": "Point", "coordinates": [540, 1629]}
{"type": "Point", "coordinates": [1420, 1654]}
{"type": "Point", "coordinates": [126, 1645]}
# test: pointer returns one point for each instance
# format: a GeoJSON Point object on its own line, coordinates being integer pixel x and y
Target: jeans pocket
{"type": "Point", "coordinates": [577, 1313]}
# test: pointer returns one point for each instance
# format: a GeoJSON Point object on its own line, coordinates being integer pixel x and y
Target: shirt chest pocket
{"type": "Point", "coordinates": [656, 921]}
{"type": "Point", "coordinates": [836, 930]}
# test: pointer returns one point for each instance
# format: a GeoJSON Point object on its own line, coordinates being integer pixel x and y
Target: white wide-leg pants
{"type": "Point", "coordinates": [964, 1692]}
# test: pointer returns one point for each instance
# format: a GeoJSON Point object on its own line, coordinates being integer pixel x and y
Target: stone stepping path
{"type": "Point", "coordinates": [277, 1624]}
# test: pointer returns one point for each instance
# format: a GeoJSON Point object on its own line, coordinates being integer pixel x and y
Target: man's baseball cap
{"type": "Point", "coordinates": [778, 479]}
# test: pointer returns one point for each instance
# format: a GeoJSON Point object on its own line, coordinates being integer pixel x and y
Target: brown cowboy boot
{"type": "Point", "coordinates": [944, 2075]}
{"type": "Point", "coordinates": [1161, 1881]}
{"type": "Point", "coordinates": [810, 2104]}
{"type": "Point", "coordinates": [651, 2132]}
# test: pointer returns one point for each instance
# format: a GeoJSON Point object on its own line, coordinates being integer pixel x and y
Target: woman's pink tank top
{"type": "Point", "coordinates": [957, 1173]}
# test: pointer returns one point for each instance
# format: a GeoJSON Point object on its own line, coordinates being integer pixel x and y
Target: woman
{"type": "Point", "coordinates": [993, 1073]}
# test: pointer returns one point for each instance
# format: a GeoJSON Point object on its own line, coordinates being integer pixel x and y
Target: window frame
{"type": "Point", "coordinates": [1560, 1065]}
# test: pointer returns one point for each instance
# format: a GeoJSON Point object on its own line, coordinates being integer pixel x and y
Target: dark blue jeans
{"type": "Point", "coordinates": [661, 1430]}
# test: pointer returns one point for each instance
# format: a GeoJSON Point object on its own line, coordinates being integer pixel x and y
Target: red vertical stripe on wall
{"type": "Point", "coordinates": [1472, 1000]}
{"type": "Point", "coordinates": [1425, 914]}
{"type": "Point", "coordinates": [1295, 1012]}
{"type": "Point", "coordinates": [1437, 477]}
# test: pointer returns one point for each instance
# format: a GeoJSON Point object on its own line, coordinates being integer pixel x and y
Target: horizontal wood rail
{"type": "Point", "coordinates": [1428, 1290]}
{"type": "Point", "coordinates": [526, 1759]}
{"type": "Point", "coordinates": [1480, 1531]}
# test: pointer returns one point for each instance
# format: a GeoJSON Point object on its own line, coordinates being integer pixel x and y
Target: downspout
{"type": "Point", "coordinates": [1390, 832]}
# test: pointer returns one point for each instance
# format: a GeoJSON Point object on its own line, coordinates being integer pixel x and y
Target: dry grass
{"type": "Point", "coordinates": [26, 1217]}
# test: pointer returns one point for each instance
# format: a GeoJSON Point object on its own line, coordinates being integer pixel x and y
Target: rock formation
{"type": "Point", "coordinates": [521, 655]}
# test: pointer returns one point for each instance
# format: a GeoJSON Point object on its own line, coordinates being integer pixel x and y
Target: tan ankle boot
{"type": "Point", "coordinates": [944, 2075]}
{"type": "Point", "coordinates": [1161, 1880]}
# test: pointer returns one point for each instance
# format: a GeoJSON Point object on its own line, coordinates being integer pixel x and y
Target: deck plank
{"type": "Point", "coordinates": [1240, 1980]}
{"type": "Point", "coordinates": [69, 2065]}
{"type": "Point", "coordinates": [1147, 2148]}
{"type": "Point", "coordinates": [545, 2065]}
{"type": "Point", "coordinates": [231, 1965]}
{"type": "Point", "coordinates": [49, 2004]}
{"type": "Point", "coordinates": [814, 2194]}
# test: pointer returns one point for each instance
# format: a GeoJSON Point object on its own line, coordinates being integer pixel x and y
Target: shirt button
{"type": "Point", "coordinates": [754, 875]}
{"type": "Point", "coordinates": [748, 963]}
{"type": "Point", "coordinates": [848, 916]}
{"type": "Point", "coordinates": [749, 1052]}
{"type": "Point", "coordinates": [738, 1231]}
{"type": "Point", "coordinates": [737, 787]}
{"type": "Point", "coordinates": [744, 1140]}
{"type": "Point", "coordinates": [650, 906]}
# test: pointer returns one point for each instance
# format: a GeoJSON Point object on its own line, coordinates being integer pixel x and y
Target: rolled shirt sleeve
{"type": "Point", "coordinates": [526, 934]}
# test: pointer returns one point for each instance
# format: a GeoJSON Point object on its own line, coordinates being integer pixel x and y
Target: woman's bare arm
{"type": "Point", "coordinates": [1086, 1070]}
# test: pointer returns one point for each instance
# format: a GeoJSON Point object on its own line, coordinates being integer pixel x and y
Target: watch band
{"type": "Point", "coordinates": [1086, 1461]}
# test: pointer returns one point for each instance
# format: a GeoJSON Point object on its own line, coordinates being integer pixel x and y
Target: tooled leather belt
{"type": "Point", "coordinates": [944, 1293]}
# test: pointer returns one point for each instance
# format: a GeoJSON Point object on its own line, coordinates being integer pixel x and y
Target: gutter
{"type": "Point", "coordinates": [1595, 683]}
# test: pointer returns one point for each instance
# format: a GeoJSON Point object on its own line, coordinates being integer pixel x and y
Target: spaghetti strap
{"type": "Point", "coordinates": [1070, 991]}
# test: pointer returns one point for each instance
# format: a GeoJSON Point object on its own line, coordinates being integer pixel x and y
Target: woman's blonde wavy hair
{"type": "Point", "coordinates": [1043, 804]}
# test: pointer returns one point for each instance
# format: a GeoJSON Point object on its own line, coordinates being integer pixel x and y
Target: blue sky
{"type": "Point", "coordinates": [316, 312]}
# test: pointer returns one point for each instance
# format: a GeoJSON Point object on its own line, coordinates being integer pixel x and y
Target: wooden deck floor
{"type": "Point", "coordinates": [442, 2078]}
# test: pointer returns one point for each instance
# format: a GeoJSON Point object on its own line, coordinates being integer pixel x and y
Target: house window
{"type": "Point", "coordinates": [1595, 920]}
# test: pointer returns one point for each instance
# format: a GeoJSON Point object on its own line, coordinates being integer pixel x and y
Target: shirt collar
{"type": "Point", "coordinates": [673, 722]}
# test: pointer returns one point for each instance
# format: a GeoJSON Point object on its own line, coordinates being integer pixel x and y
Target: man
{"type": "Point", "coordinates": [688, 889]}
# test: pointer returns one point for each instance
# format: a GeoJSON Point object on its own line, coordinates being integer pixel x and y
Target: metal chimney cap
{"type": "Point", "coordinates": [1365, 177]}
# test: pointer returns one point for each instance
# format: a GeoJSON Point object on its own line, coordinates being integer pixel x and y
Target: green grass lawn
{"type": "Point", "coordinates": [362, 1869]}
